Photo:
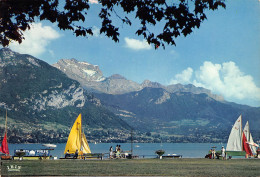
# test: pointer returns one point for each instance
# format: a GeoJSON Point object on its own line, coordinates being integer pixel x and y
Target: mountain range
{"type": "Point", "coordinates": [117, 91]}
{"type": "Point", "coordinates": [35, 93]}
{"type": "Point", "coordinates": [92, 79]}
{"type": "Point", "coordinates": [153, 107]}
{"type": "Point", "coordinates": [50, 98]}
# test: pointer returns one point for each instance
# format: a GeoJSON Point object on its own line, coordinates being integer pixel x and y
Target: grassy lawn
{"type": "Point", "coordinates": [136, 167]}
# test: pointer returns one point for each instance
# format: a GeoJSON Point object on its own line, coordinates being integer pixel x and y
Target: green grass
{"type": "Point", "coordinates": [137, 167]}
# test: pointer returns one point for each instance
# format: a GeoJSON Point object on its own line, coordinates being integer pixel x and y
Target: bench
{"type": "Point", "coordinates": [86, 156]}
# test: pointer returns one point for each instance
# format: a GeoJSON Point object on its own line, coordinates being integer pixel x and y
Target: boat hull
{"type": "Point", "coordinates": [236, 153]}
{"type": "Point", "coordinates": [32, 158]}
{"type": "Point", "coordinates": [231, 153]}
{"type": "Point", "coordinates": [172, 156]}
{"type": "Point", "coordinates": [6, 157]}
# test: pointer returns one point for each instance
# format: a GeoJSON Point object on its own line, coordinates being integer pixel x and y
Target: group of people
{"type": "Point", "coordinates": [116, 152]}
{"type": "Point", "coordinates": [75, 156]}
{"type": "Point", "coordinates": [213, 154]}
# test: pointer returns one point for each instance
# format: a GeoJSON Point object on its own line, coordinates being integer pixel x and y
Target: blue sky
{"type": "Point", "coordinates": [223, 55]}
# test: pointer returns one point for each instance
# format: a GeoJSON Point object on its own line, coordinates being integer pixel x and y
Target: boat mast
{"type": "Point", "coordinates": [132, 142]}
{"type": "Point", "coordinates": [241, 134]}
{"type": "Point", "coordinates": [6, 122]}
{"type": "Point", "coordinates": [248, 139]}
{"type": "Point", "coordinates": [81, 148]}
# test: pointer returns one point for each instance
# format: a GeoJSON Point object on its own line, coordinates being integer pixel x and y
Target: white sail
{"type": "Point", "coordinates": [252, 145]}
{"type": "Point", "coordinates": [249, 138]}
{"type": "Point", "coordinates": [246, 131]}
{"type": "Point", "coordinates": [235, 137]}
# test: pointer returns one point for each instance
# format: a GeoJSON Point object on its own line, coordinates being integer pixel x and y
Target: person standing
{"type": "Point", "coordinates": [210, 154]}
{"type": "Point", "coordinates": [223, 153]}
{"type": "Point", "coordinates": [116, 148]}
{"type": "Point", "coordinates": [213, 154]}
{"type": "Point", "coordinates": [111, 152]}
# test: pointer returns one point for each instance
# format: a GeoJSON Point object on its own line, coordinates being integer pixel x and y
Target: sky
{"type": "Point", "coordinates": [223, 55]}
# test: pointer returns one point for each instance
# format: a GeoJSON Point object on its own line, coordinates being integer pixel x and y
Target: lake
{"type": "Point", "coordinates": [147, 150]}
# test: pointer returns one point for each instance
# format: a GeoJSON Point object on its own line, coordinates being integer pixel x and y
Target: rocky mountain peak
{"type": "Point", "coordinates": [36, 92]}
{"type": "Point", "coordinates": [22, 75]}
{"type": "Point", "coordinates": [148, 83]}
{"type": "Point", "coordinates": [91, 78]}
{"type": "Point", "coordinates": [81, 71]}
{"type": "Point", "coordinates": [7, 52]}
{"type": "Point", "coordinates": [9, 57]}
{"type": "Point", "coordinates": [117, 76]}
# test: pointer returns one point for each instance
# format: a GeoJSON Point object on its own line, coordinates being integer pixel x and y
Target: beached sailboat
{"type": "Point", "coordinates": [240, 143]}
{"type": "Point", "coordinates": [77, 140]}
{"type": "Point", "coordinates": [4, 146]}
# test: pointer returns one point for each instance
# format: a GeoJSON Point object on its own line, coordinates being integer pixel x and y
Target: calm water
{"type": "Point", "coordinates": [147, 150]}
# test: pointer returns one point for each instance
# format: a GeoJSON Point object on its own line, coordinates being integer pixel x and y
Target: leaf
{"type": "Point", "coordinates": [175, 17]}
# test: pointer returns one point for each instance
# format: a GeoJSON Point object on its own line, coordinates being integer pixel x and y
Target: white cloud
{"type": "Point", "coordinates": [225, 79]}
{"type": "Point", "coordinates": [96, 31]}
{"type": "Point", "coordinates": [184, 77]}
{"type": "Point", "coordinates": [36, 40]}
{"type": "Point", "coordinates": [209, 76]}
{"type": "Point", "coordinates": [137, 44]}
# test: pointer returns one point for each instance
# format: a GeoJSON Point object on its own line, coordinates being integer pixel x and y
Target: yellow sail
{"type": "Point", "coordinates": [77, 139]}
{"type": "Point", "coordinates": [85, 147]}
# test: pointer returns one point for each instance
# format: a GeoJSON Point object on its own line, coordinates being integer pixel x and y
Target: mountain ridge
{"type": "Point", "coordinates": [117, 84]}
{"type": "Point", "coordinates": [175, 113]}
{"type": "Point", "coordinates": [36, 98]}
{"type": "Point", "coordinates": [149, 106]}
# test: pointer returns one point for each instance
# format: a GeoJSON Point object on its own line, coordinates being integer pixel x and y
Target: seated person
{"type": "Point", "coordinates": [76, 154]}
{"type": "Point", "coordinates": [67, 154]}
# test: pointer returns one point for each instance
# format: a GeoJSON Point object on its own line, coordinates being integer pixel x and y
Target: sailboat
{"type": "Point", "coordinates": [240, 143]}
{"type": "Point", "coordinates": [4, 146]}
{"type": "Point", "coordinates": [77, 140]}
{"type": "Point", "coordinates": [250, 145]}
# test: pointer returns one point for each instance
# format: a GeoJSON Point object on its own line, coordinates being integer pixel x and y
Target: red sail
{"type": "Point", "coordinates": [4, 147]}
{"type": "Point", "coordinates": [246, 146]}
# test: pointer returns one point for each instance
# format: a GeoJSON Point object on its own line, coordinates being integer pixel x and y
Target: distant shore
{"type": "Point", "coordinates": [133, 167]}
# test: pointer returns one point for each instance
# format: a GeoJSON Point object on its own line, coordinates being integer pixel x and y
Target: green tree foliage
{"type": "Point", "coordinates": [178, 17]}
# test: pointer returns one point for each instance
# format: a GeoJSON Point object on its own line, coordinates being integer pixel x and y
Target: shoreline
{"type": "Point", "coordinates": [134, 167]}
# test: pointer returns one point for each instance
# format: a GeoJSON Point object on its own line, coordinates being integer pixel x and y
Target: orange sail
{"type": "Point", "coordinates": [4, 147]}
